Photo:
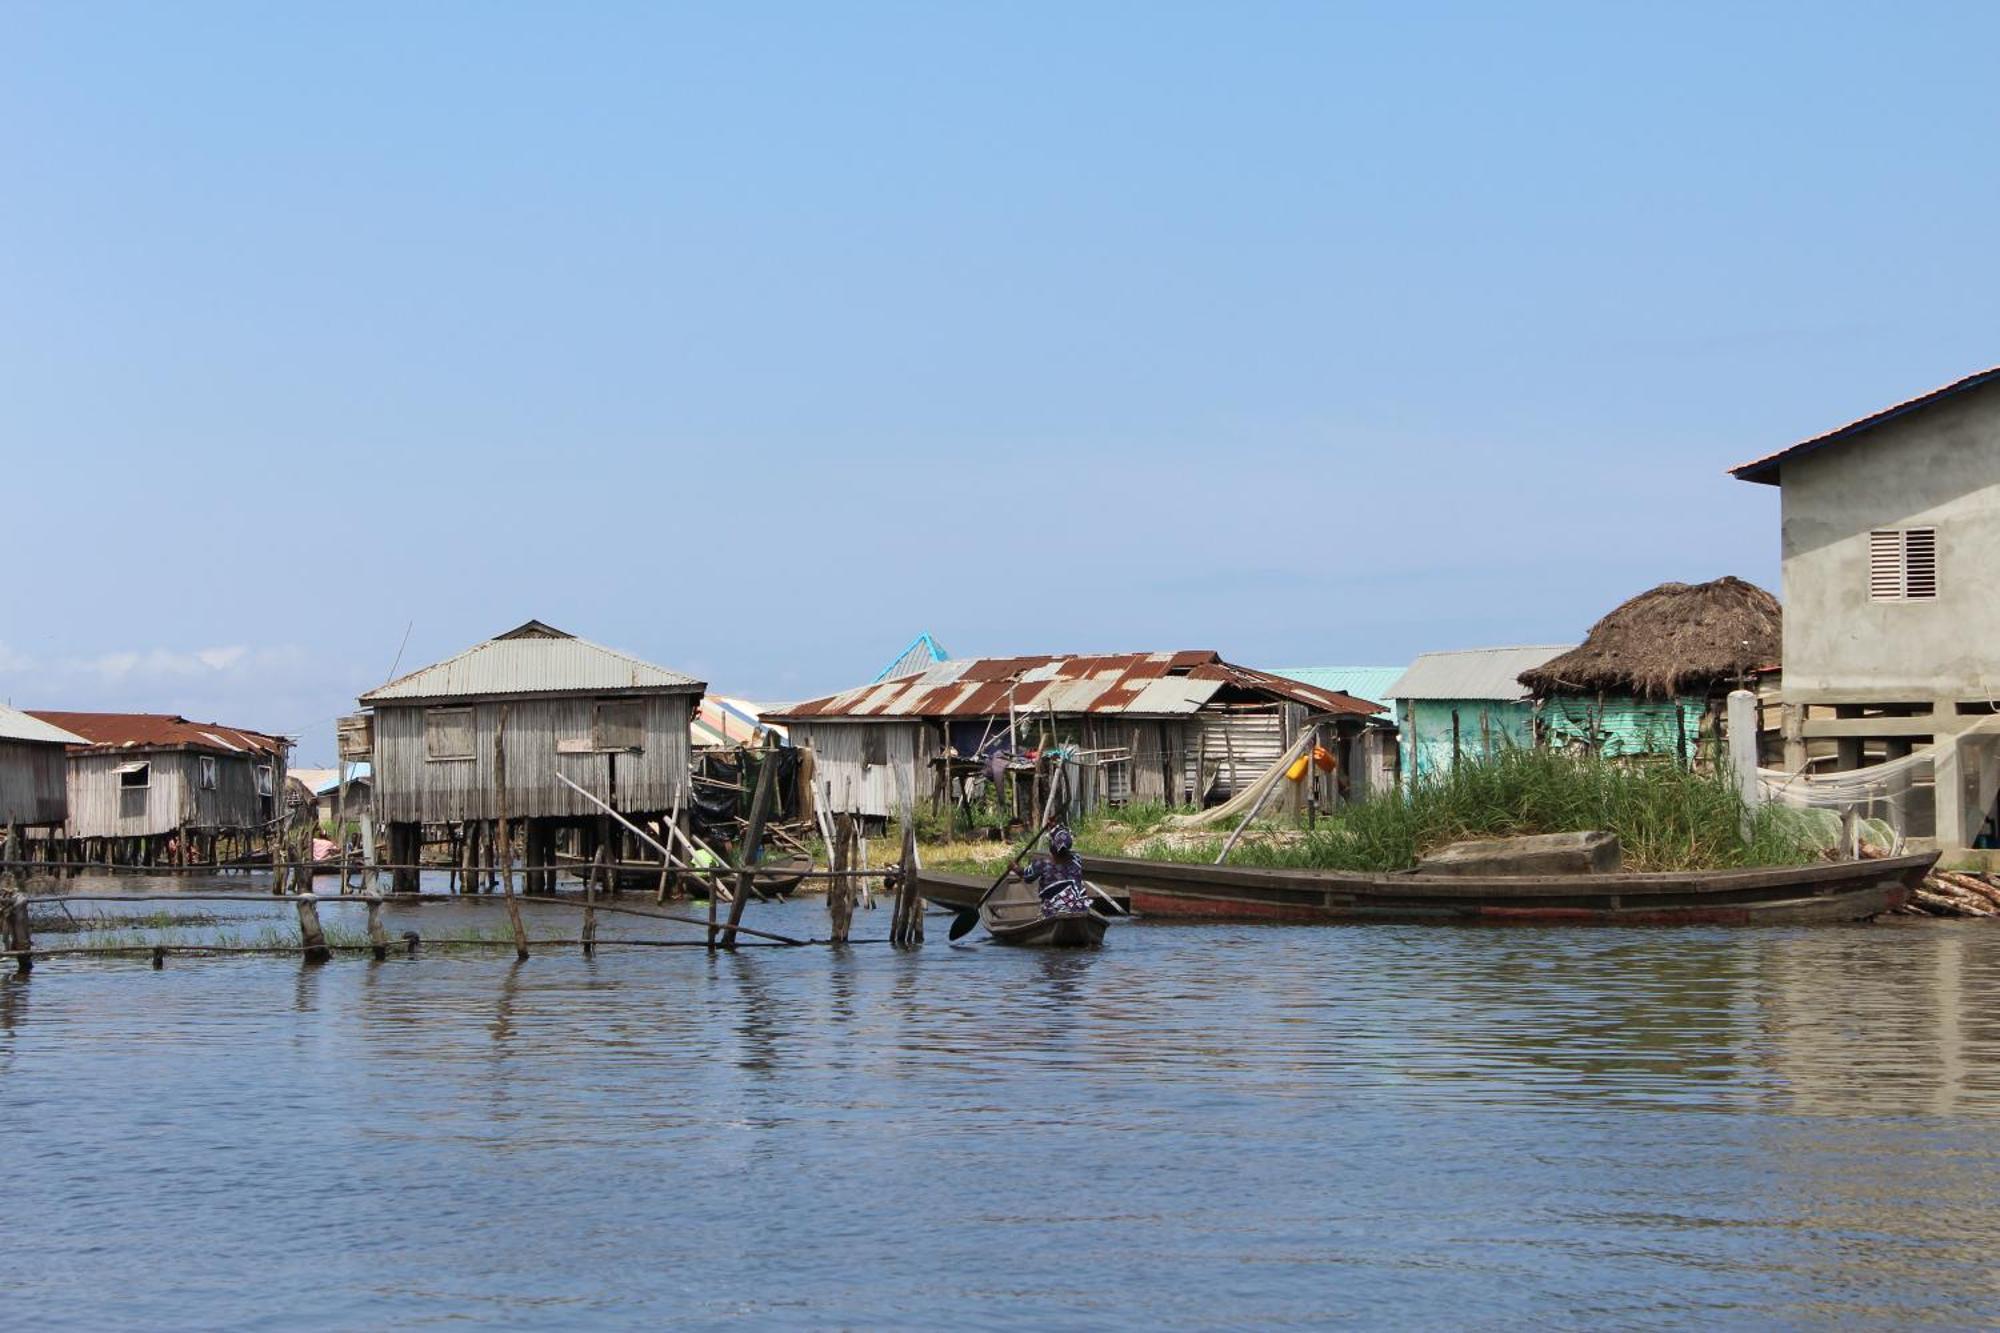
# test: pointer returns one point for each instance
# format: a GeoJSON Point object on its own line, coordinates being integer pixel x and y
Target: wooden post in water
{"type": "Point", "coordinates": [310, 934]}
{"type": "Point", "coordinates": [906, 921]}
{"type": "Point", "coordinates": [597, 873]}
{"type": "Point", "coordinates": [500, 784]}
{"type": "Point", "coordinates": [14, 906]}
{"type": "Point", "coordinates": [377, 935]}
{"type": "Point", "coordinates": [840, 892]}
{"type": "Point", "coordinates": [753, 838]}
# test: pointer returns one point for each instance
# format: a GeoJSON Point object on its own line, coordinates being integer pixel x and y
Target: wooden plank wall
{"type": "Point", "coordinates": [410, 787]}
{"type": "Point", "coordinates": [33, 783]}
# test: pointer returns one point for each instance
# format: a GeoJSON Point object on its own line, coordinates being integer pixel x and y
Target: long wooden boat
{"type": "Point", "coordinates": [1013, 915]}
{"type": "Point", "coordinates": [1830, 891]}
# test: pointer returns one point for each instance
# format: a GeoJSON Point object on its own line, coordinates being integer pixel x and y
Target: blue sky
{"type": "Point", "coordinates": [753, 339]}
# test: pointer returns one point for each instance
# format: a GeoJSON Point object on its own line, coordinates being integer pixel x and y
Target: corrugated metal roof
{"type": "Point", "coordinates": [533, 659]}
{"type": "Point", "coordinates": [1147, 684]}
{"type": "Point", "coordinates": [1473, 673]}
{"type": "Point", "coordinates": [924, 652]}
{"type": "Point", "coordinates": [1766, 469]}
{"type": "Point", "coordinates": [159, 731]}
{"type": "Point", "coordinates": [1361, 682]}
{"type": "Point", "coordinates": [16, 725]}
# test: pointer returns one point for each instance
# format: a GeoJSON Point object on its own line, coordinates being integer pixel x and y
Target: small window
{"type": "Point", "coordinates": [448, 733]}
{"type": "Point", "coordinates": [1902, 565]}
{"type": "Point", "coordinates": [207, 776]}
{"type": "Point", "coordinates": [874, 746]}
{"type": "Point", "coordinates": [132, 777]}
{"type": "Point", "coordinates": [263, 779]}
{"type": "Point", "coordinates": [620, 724]}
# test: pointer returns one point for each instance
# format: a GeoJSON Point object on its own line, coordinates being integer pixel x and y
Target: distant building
{"type": "Point", "coordinates": [34, 784]}
{"type": "Point", "coordinates": [1464, 706]}
{"type": "Point", "coordinates": [1381, 765]}
{"type": "Point", "coordinates": [1652, 677]}
{"type": "Point", "coordinates": [142, 778]}
{"type": "Point", "coordinates": [1171, 728]}
{"type": "Point", "coordinates": [1891, 641]}
{"type": "Point", "coordinates": [923, 653]}
{"type": "Point", "coordinates": [485, 735]}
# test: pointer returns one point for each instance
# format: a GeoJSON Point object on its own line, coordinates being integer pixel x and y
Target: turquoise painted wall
{"type": "Point", "coordinates": [1483, 725]}
{"type": "Point", "coordinates": [1624, 726]}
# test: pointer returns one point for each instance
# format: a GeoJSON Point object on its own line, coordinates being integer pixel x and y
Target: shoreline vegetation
{"type": "Point", "coordinates": [1666, 816]}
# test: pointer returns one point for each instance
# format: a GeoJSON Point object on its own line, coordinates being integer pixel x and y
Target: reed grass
{"type": "Point", "coordinates": [1666, 816]}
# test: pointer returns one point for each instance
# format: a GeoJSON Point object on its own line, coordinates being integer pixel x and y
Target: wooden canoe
{"type": "Point", "coordinates": [1013, 915]}
{"type": "Point", "coordinates": [1829, 891]}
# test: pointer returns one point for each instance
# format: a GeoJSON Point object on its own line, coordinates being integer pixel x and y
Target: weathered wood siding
{"type": "Point", "coordinates": [174, 798]}
{"type": "Point", "coordinates": [33, 783]}
{"type": "Point", "coordinates": [845, 778]}
{"type": "Point", "coordinates": [411, 787]}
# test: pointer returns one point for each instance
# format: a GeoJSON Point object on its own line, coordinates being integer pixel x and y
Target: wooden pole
{"type": "Point", "coordinates": [840, 891]}
{"type": "Point", "coordinates": [598, 872]}
{"type": "Point", "coordinates": [753, 837]}
{"type": "Point", "coordinates": [310, 934]}
{"type": "Point", "coordinates": [377, 934]}
{"type": "Point", "coordinates": [500, 785]}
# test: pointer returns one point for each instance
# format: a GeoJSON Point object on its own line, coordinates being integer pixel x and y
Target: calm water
{"type": "Point", "coordinates": [1197, 1126]}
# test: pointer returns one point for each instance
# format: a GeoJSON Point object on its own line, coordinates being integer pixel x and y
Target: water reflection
{"type": "Point", "coordinates": [1214, 1125]}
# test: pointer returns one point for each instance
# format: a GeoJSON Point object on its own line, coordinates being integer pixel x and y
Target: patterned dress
{"type": "Point", "coordinates": [1061, 880]}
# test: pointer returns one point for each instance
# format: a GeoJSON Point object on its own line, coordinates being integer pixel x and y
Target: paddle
{"type": "Point", "coordinates": [1109, 901]}
{"type": "Point", "coordinates": [969, 917]}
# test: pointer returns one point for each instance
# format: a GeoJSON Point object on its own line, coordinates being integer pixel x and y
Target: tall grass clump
{"type": "Point", "coordinates": [1666, 816]}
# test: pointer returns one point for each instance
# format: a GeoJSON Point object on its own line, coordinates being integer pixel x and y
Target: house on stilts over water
{"type": "Point", "coordinates": [1171, 728]}
{"type": "Point", "coordinates": [475, 747]}
{"type": "Point", "coordinates": [34, 783]}
{"type": "Point", "coordinates": [141, 783]}
{"type": "Point", "coordinates": [1654, 676]}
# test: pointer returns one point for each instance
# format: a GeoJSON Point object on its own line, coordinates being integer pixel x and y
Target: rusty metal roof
{"type": "Point", "coordinates": [532, 659]}
{"type": "Point", "coordinates": [1766, 469]}
{"type": "Point", "coordinates": [1137, 684]}
{"type": "Point", "coordinates": [159, 731]}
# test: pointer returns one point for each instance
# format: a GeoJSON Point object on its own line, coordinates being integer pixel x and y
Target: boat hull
{"type": "Point", "coordinates": [1842, 891]}
{"type": "Point", "coordinates": [1085, 931]}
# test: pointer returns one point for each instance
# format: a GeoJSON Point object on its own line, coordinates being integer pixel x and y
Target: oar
{"type": "Point", "coordinates": [969, 917]}
{"type": "Point", "coordinates": [1109, 901]}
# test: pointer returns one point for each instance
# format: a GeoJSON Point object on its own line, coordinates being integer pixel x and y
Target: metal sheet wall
{"type": "Point", "coordinates": [33, 783]}
{"type": "Point", "coordinates": [1484, 726]}
{"type": "Point", "coordinates": [846, 783]}
{"type": "Point", "coordinates": [410, 787]}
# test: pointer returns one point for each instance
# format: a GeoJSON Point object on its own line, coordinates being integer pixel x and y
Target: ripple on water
{"type": "Point", "coordinates": [1196, 1125]}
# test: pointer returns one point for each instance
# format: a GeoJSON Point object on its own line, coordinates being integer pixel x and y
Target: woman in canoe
{"type": "Point", "coordinates": [1058, 877]}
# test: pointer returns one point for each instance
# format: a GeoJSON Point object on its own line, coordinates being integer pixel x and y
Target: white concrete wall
{"type": "Point", "coordinates": [1937, 467]}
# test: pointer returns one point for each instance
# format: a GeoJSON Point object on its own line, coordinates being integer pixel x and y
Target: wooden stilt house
{"type": "Point", "coordinates": [475, 746]}
{"type": "Point", "coordinates": [1171, 728]}
{"type": "Point", "coordinates": [34, 790]}
{"type": "Point", "coordinates": [142, 781]}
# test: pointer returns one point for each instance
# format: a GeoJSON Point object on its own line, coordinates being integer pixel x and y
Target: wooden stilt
{"type": "Point", "coordinates": [310, 934]}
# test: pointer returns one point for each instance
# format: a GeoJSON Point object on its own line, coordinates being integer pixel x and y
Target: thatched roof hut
{"type": "Point", "coordinates": [1678, 639]}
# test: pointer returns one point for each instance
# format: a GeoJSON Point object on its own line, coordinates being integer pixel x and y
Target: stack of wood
{"type": "Point", "coordinates": [1955, 893]}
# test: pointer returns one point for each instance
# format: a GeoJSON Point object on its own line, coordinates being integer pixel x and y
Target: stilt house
{"type": "Point", "coordinates": [141, 778]}
{"type": "Point", "coordinates": [34, 792]}
{"type": "Point", "coordinates": [484, 737]}
{"type": "Point", "coordinates": [1174, 728]}
{"type": "Point", "coordinates": [1652, 677]}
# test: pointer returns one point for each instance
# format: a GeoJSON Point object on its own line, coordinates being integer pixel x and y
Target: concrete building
{"type": "Point", "coordinates": [1465, 705]}
{"type": "Point", "coordinates": [1892, 641]}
